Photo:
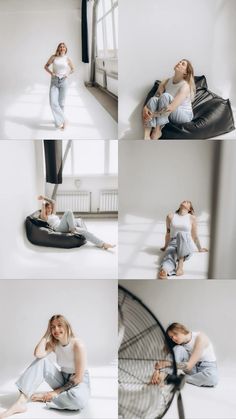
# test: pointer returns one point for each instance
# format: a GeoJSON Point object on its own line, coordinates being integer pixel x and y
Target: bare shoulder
{"type": "Point", "coordinates": [193, 218]}
{"type": "Point", "coordinates": [78, 344]}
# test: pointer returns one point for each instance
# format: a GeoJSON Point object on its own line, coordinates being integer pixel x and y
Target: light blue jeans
{"type": "Point", "coordinates": [203, 374]}
{"type": "Point", "coordinates": [44, 370]}
{"type": "Point", "coordinates": [178, 247]}
{"type": "Point", "coordinates": [179, 116]}
{"type": "Point", "coordinates": [69, 223]}
{"type": "Point", "coordinates": [57, 97]}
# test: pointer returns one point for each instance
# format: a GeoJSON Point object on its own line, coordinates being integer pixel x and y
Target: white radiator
{"type": "Point", "coordinates": [77, 201]}
{"type": "Point", "coordinates": [109, 200]}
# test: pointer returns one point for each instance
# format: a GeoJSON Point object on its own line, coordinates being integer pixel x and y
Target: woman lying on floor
{"type": "Point", "coordinates": [172, 101]}
{"type": "Point", "coordinates": [70, 383]}
{"type": "Point", "coordinates": [194, 355]}
{"type": "Point", "coordinates": [68, 223]}
{"type": "Point", "coordinates": [181, 232]}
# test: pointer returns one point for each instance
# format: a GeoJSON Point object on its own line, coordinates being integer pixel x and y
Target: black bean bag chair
{"type": "Point", "coordinates": [213, 115]}
{"type": "Point", "coordinates": [38, 232]}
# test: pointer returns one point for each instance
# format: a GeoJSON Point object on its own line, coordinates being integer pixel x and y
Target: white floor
{"type": "Point", "coordinates": [209, 403]}
{"type": "Point", "coordinates": [140, 240]}
{"type": "Point", "coordinates": [103, 402]}
{"type": "Point", "coordinates": [22, 260]}
{"type": "Point", "coordinates": [26, 114]}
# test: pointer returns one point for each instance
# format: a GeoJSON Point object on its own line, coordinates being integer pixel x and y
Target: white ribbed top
{"type": "Point", "coordinates": [53, 220]}
{"type": "Point", "coordinates": [65, 357]}
{"type": "Point", "coordinates": [60, 66]}
{"type": "Point", "coordinates": [208, 354]}
{"type": "Point", "coordinates": [180, 223]}
{"type": "Point", "coordinates": [173, 89]}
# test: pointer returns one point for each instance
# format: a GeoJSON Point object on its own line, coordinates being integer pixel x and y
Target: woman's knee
{"type": "Point", "coordinates": [165, 98]}
{"type": "Point", "coordinates": [78, 401]}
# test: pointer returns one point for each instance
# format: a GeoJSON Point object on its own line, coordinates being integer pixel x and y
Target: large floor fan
{"type": "Point", "coordinates": [143, 342]}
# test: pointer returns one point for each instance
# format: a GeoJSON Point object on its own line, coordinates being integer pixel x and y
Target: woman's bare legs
{"type": "Point", "coordinates": [18, 407]}
{"type": "Point", "coordinates": [156, 133]}
{"type": "Point", "coordinates": [180, 267]}
{"type": "Point", "coordinates": [147, 133]}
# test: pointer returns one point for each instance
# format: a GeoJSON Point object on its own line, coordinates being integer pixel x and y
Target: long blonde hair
{"type": "Point", "coordinates": [189, 77]}
{"type": "Point", "coordinates": [58, 46]}
{"type": "Point", "coordinates": [178, 327]}
{"type": "Point", "coordinates": [69, 332]}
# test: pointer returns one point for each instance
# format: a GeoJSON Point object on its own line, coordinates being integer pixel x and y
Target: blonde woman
{"type": "Point", "coordinates": [68, 223]}
{"type": "Point", "coordinates": [70, 384]}
{"type": "Point", "coordinates": [194, 355]}
{"type": "Point", "coordinates": [172, 101]}
{"type": "Point", "coordinates": [181, 233]}
{"type": "Point", "coordinates": [59, 66]}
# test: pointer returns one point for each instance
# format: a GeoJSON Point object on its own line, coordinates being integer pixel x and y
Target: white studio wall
{"type": "Point", "coordinates": [26, 306]}
{"type": "Point", "coordinates": [22, 179]}
{"type": "Point", "coordinates": [163, 33]}
{"type": "Point", "coordinates": [191, 304]}
{"type": "Point", "coordinates": [156, 177]}
{"type": "Point", "coordinates": [31, 31]}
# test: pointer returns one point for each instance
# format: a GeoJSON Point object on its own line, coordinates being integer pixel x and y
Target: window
{"type": "Point", "coordinates": [91, 158]}
{"type": "Point", "coordinates": [107, 28]}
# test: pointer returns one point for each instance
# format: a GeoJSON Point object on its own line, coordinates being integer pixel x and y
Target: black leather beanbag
{"type": "Point", "coordinates": [38, 232]}
{"type": "Point", "coordinates": [213, 115]}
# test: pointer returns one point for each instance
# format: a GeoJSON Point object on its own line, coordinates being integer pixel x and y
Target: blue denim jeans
{"type": "Point", "coordinates": [180, 115]}
{"type": "Point", "coordinates": [178, 247]}
{"type": "Point", "coordinates": [44, 370]}
{"type": "Point", "coordinates": [69, 223]}
{"type": "Point", "coordinates": [203, 374]}
{"type": "Point", "coordinates": [57, 97]}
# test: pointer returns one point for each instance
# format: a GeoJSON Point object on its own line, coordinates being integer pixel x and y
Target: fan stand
{"type": "Point", "coordinates": [178, 381]}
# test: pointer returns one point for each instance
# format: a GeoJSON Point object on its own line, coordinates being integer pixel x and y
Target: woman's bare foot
{"type": "Point", "coordinates": [147, 133]}
{"type": "Point", "coordinates": [162, 274]}
{"type": "Point", "coordinates": [38, 397]}
{"type": "Point", "coordinates": [180, 268]}
{"type": "Point", "coordinates": [156, 133]}
{"type": "Point", "coordinates": [106, 246]}
{"type": "Point", "coordinates": [18, 407]}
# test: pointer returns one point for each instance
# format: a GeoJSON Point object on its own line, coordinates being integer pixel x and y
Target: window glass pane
{"type": "Point", "coordinates": [67, 169]}
{"type": "Point", "coordinates": [88, 157]}
{"type": "Point", "coordinates": [116, 25]}
{"type": "Point", "coordinates": [107, 5]}
{"type": "Point", "coordinates": [100, 46]}
{"type": "Point", "coordinates": [113, 157]}
{"type": "Point", "coordinates": [109, 32]}
{"type": "Point", "coordinates": [99, 10]}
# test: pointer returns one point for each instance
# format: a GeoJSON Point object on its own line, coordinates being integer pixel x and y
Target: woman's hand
{"type": "Point", "coordinates": [75, 380]}
{"type": "Point", "coordinates": [203, 249]}
{"type": "Point", "coordinates": [157, 377]}
{"type": "Point", "coordinates": [169, 109]}
{"type": "Point", "coordinates": [161, 364]}
{"type": "Point", "coordinates": [49, 396]}
{"type": "Point", "coordinates": [147, 114]}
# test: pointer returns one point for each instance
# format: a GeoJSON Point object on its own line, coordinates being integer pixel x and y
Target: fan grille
{"type": "Point", "coordinates": [142, 343]}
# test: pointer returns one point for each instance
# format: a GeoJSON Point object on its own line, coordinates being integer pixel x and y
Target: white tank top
{"type": "Point", "coordinates": [208, 354]}
{"type": "Point", "coordinates": [173, 89]}
{"type": "Point", "coordinates": [65, 357]}
{"type": "Point", "coordinates": [180, 223]}
{"type": "Point", "coordinates": [61, 66]}
{"type": "Point", "coordinates": [53, 220]}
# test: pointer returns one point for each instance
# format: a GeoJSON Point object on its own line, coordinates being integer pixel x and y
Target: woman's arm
{"type": "Point", "coordinates": [47, 65]}
{"type": "Point", "coordinates": [201, 343]}
{"type": "Point", "coordinates": [51, 201]}
{"type": "Point", "coordinates": [167, 236]}
{"type": "Point", "coordinates": [195, 235]}
{"type": "Point", "coordinates": [72, 68]}
{"type": "Point", "coordinates": [44, 347]}
{"type": "Point", "coordinates": [80, 362]}
{"type": "Point", "coordinates": [179, 98]}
